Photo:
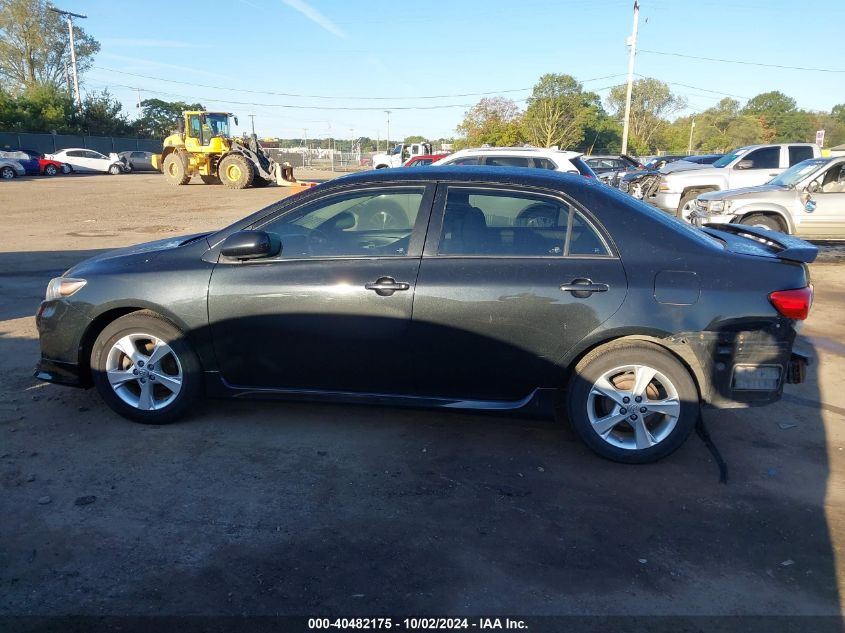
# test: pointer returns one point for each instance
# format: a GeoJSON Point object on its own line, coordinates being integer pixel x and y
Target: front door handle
{"type": "Point", "coordinates": [583, 288]}
{"type": "Point", "coordinates": [386, 286]}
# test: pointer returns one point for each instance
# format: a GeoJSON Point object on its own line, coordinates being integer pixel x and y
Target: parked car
{"type": "Point", "coordinates": [424, 160]}
{"type": "Point", "coordinates": [697, 161]}
{"type": "Point", "coordinates": [137, 160]}
{"type": "Point", "coordinates": [642, 183]}
{"type": "Point", "coordinates": [743, 167]}
{"type": "Point", "coordinates": [34, 162]}
{"type": "Point", "coordinates": [87, 160]}
{"type": "Point", "coordinates": [10, 169]}
{"type": "Point", "coordinates": [807, 199]}
{"type": "Point", "coordinates": [458, 287]}
{"type": "Point", "coordinates": [611, 168]}
{"type": "Point", "coordinates": [536, 157]}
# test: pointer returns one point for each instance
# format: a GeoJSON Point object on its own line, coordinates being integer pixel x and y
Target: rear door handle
{"type": "Point", "coordinates": [386, 286]}
{"type": "Point", "coordinates": [584, 287]}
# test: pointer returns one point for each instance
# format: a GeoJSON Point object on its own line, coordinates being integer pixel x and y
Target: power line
{"type": "Point", "coordinates": [743, 62]}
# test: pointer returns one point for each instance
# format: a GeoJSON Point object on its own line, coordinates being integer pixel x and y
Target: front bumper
{"type": "Point", "coordinates": [59, 372]}
{"type": "Point", "coordinates": [699, 219]}
{"type": "Point", "coordinates": [666, 201]}
{"type": "Point", "coordinates": [60, 327]}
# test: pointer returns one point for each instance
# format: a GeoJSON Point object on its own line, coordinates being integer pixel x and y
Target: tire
{"type": "Point", "coordinates": [129, 168]}
{"type": "Point", "coordinates": [259, 182]}
{"type": "Point", "coordinates": [7, 173]}
{"type": "Point", "coordinates": [176, 169]}
{"type": "Point", "coordinates": [763, 221]}
{"type": "Point", "coordinates": [210, 180]}
{"type": "Point", "coordinates": [381, 166]}
{"type": "Point", "coordinates": [157, 396]}
{"type": "Point", "coordinates": [67, 169]}
{"type": "Point", "coordinates": [632, 437]}
{"type": "Point", "coordinates": [687, 204]}
{"type": "Point", "coordinates": [115, 169]}
{"type": "Point", "coordinates": [235, 171]}
{"type": "Point", "coordinates": [50, 170]}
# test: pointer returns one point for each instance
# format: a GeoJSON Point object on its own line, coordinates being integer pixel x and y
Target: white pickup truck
{"type": "Point", "coordinates": [744, 167]}
{"type": "Point", "coordinates": [400, 154]}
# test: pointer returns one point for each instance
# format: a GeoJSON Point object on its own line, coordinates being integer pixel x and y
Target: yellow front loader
{"type": "Point", "coordinates": [204, 146]}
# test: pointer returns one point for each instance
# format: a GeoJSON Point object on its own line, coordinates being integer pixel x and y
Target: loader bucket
{"type": "Point", "coordinates": [284, 174]}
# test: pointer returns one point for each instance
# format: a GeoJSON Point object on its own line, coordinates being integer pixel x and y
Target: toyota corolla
{"type": "Point", "coordinates": [453, 287]}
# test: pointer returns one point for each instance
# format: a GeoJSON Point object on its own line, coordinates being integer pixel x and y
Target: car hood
{"type": "Point", "coordinates": [705, 171]}
{"type": "Point", "coordinates": [127, 256]}
{"type": "Point", "coordinates": [681, 165]}
{"type": "Point", "coordinates": [761, 191]}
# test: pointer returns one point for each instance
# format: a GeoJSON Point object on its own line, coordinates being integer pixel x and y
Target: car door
{"type": "Point", "coordinates": [823, 215]}
{"type": "Point", "coordinates": [765, 164]}
{"type": "Point", "coordinates": [332, 311]}
{"type": "Point", "coordinates": [510, 280]}
{"type": "Point", "coordinates": [97, 161]}
{"type": "Point", "coordinates": [75, 158]}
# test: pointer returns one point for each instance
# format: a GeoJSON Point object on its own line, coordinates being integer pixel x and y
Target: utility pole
{"type": "Point", "coordinates": [305, 154]}
{"type": "Point", "coordinates": [252, 117]}
{"type": "Point", "coordinates": [691, 130]}
{"type": "Point", "coordinates": [70, 17]}
{"type": "Point", "coordinates": [632, 42]}
{"type": "Point", "coordinates": [138, 92]}
{"type": "Point", "coordinates": [387, 112]}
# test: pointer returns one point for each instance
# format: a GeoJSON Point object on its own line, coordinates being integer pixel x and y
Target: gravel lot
{"type": "Point", "coordinates": [273, 508]}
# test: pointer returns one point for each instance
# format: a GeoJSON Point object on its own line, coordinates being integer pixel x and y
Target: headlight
{"type": "Point", "coordinates": [61, 287]}
{"type": "Point", "coordinates": [664, 186]}
{"type": "Point", "coordinates": [716, 206]}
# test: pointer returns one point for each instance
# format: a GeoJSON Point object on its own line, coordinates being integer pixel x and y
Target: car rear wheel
{"type": "Point", "coordinates": [67, 169]}
{"type": "Point", "coordinates": [51, 170]}
{"type": "Point", "coordinates": [115, 169]}
{"type": "Point", "coordinates": [632, 402]}
{"type": "Point", "coordinates": [762, 221]}
{"type": "Point", "coordinates": [7, 173]}
{"type": "Point", "coordinates": [145, 369]}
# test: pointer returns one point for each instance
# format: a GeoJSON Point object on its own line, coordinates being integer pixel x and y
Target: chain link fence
{"type": "Point", "coordinates": [50, 143]}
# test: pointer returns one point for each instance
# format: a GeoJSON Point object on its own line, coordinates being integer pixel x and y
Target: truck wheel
{"type": "Point", "coordinates": [381, 166]}
{"type": "Point", "coordinates": [175, 169]}
{"type": "Point", "coordinates": [210, 180]}
{"type": "Point", "coordinates": [258, 181]}
{"type": "Point", "coordinates": [762, 221]}
{"type": "Point", "coordinates": [236, 172]}
{"type": "Point", "coordinates": [687, 204]}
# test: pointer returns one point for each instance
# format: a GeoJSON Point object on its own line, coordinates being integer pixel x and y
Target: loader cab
{"type": "Point", "coordinates": [207, 130]}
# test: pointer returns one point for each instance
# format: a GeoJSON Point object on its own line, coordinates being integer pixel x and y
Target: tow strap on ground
{"type": "Point", "coordinates": [704, 434]}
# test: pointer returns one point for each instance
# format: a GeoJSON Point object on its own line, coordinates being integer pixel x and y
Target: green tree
{"type": "Point", "coordinates": [38, 109]}
{"type": "Point", "coordinates": [415, 138]}
{"type": "Point", "coordinates": [160, 118]}
{"type": "Point", "coordinates": [559, 112]}
{"type": "Point", "coordinates": [652, 103]}
{"type": "Point", "coordinates": [35, 45]}
{"type": "Point", "coordinates": [780, 117]}
{"type": "Point", "coordinates": [494, 121]}
{"type": "Point", "coordinates": [103, 115]}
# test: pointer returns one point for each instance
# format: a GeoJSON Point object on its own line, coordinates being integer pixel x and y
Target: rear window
{"type": "Point", "coordinates": [797, 153]}
{"type": "Point", "coordinates": [582, 167]}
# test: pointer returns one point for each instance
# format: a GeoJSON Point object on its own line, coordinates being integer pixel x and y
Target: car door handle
{"type": "Point", "coordinates": [386, 286]}
{"type": "Point", "coordinates": [584, 287]}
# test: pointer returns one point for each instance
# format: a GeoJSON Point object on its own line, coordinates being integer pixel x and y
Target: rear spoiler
{"type": "Point", "coordinates": [785, 246]}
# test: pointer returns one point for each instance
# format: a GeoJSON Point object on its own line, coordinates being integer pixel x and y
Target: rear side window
{"type": "Point", "coordinates": [469, 160]}
{"type": "Point", "coordinates": [507, 161]}
{"type": "Point", "coordinates": [544, 163]}
{"type": "Point", "coordinates": [764, 158]}
{"type": "Point", "coordinates": [797, 153]}
{"type": "Point", "coordinates": [508, 224]}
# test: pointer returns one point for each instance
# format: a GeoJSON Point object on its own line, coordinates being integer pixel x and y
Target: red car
{"type": "Point", "coordinates": [35, 164]}
{"type": "Point", "coordinates": [423, 160]}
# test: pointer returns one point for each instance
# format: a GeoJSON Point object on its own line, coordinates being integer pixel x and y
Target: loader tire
{"type": "Point", "coordinates": [258, 181]}
{"type": "Point", "coordinates": [236, 172]}
{"type": "Point", "coordinates": [210, 180]}
{"type": "Point", "coordinates": [176, 169]}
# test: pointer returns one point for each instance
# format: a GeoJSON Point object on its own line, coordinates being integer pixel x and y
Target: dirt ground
{"type": "Point", "coordinates": [273, 508]}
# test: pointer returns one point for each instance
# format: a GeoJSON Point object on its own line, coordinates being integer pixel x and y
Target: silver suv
{"type": "Point", "coordinates": [807, 199]}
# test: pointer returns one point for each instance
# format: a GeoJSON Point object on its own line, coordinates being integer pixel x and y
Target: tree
{"type": "Point", "coordinates": [780, 117]}
{"type": "Point", "coordinates": [494, 121]}
{"type": "Point", "coordinates": [652, 103]}
{"type": "Point", "coordinates": [416, 138]}
{"type": "Point", "coordinates": [559, 111]}
{"type": "Point", "coordinates": [35, 45]}
{"type": "Point", "coordinates": [103, 115]}
{"type": "Point", "coordinates": [159, 118]}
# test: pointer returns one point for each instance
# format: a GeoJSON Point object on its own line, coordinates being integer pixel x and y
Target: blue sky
{"type": "Point", "coordinates": [399, 51]}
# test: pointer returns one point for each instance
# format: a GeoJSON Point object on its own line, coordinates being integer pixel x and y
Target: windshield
{"type": "Point", "coordinates": [730, 157]}
{"type": "Point", "coordinates": [219, 124]}
{"type": "Point", "coordinates": [798, 172]}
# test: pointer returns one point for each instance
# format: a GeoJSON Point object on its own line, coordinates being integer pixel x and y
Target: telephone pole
{"type": "Point", "coordinates": [691, 130]}
{"type": "Point", "coordinates": [252, 117]}
{"type": "Point", "coordinates": [387, 112]}
{"type": "Point", "coordinates": [632, 42]}
{"type": "Point", "coordinates": [70, 17]}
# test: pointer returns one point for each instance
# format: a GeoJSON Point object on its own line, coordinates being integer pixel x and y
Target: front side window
{"type": "Point", "coordinates": [764, 158]}
{"type": "Point", "coordinates": [833, 180]}
{"type": "Point", "coordinates": [195, 127]}
{"type": "Point", "coordinates": [501, 223]}
{"type": "Point", "coordinates": [375, 223]}
{"type": "Point", "coordinates": [507, 161]}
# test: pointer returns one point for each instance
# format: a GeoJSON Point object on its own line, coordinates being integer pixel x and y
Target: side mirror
{"type": "Point", "coordinates": [236, 120]}
{"type": "Point", "coordinates": [813, 187]}
{"type": "Point", "coordinates": [745, 164]}
{"type": "Point", "coordinates": [250, 245]}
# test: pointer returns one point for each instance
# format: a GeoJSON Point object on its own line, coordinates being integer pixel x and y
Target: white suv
{"type": "Point", "coordinates": [537, 157]}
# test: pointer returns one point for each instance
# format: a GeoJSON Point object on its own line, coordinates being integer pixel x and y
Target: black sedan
{"type": "Point", "coordinates": [453, 287]}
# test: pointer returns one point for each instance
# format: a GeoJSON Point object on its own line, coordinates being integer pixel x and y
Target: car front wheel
{"type": "Point", "coordinates": [632, 402]}
{"type": "Point", "coordinates": [145, 369]}
{"type": "Point", "coordinates": [51, 170]}
{"type": "Point", "coordinates": [7, 173]}
{"type": "Point", "coordinates": [115, 169]}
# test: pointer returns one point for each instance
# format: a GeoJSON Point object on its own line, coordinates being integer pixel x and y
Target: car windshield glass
{"type": "Point", "coordinates": [797, 173]}
{"type": "Point", "coordinates": [727, 159]}
{"type": "Point", "coordinates": [219, 124]}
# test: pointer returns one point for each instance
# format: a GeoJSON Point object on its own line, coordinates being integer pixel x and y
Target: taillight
{"type": "Point", "coordinates": [793, 304]}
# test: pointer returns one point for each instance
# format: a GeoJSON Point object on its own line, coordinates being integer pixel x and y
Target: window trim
{"type": "Point", "coordinates": [435, 229]}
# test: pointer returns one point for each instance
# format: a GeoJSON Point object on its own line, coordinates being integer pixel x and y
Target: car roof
{"type": "Point", "coordinates": [545, 178]}
{"type": "Point", "coordinates": [517, 150]}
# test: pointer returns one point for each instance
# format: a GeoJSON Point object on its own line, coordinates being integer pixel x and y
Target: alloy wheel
{"type": "Point", "coordinates": [7, 173]}
{"type": "Point", "coordinates": [633, 407]}
{"type": "Point", "coordinates": [144, 371]}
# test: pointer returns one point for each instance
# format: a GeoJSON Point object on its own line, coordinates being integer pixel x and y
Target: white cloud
{"type": "Point", "coordinates": [315, 16]}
